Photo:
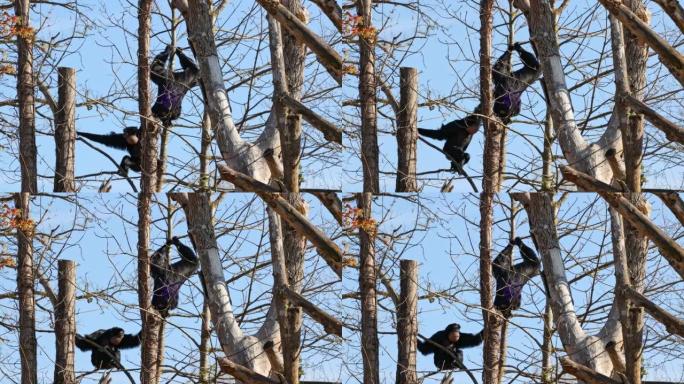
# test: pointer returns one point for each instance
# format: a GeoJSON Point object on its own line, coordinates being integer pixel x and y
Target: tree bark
{"type": "Point", "coordinates": [243, 350]}
{"type": "Point", "coordinates": [587, 157]}
{"type": "Point", "coordinates": [672, 131]}
{"type": "Point", "coordinates": [492, 323]}
{"type": "Point", "coordinates": [26, 292]}
{"type": "Point", "coordinates": [27, 108]}
{"type": "Point", "coordinates": [65, 131]}
{"type": "Point", "coordinates": [669, 56]}
{"type": "Point", "coordinates": [674, 202]}
{"type": "Point", "coordinates": [148, 126]}
{"type": "Point", "coordinates": [668, 247]}
{"type": "Point", "coordinates": [671, 323]}
{"type": "Point", "coordinates": [407, 323]}
{"type": "Point", "coordinates": [675, 10]}
{"type": "Point", "coordinates": [150, 320]}
{"type": "Point", "coordinates": [407, 130]}
{"type": "Point", "coordinates": [291, 19]}
{"type": "Point", "coordinates": [585, 349]}
{"type": "Point", "coordinates": [65, 323]}
{"type": "Point", "coordinates": [332, 10]}
{"type": "Point", "coordinates": [327, 248]}
{"type": "Point", "coordinates": [369, 306]}
{"type": "Point", "coordinates": [368, 97]}
{"type": "Point", "coordinates": [237, 153]}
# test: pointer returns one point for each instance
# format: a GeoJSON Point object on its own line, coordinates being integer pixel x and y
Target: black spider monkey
{"type": "Point", "coordinates": [452, 339]}
{"type": "Point", "coordinates": [129, 140]}
{"type": "Point", "coordinates": [168, 278]}
{"type": "Point", "coordinates": [510, 280]}
{"type": "Point", "coordinates": [508, 85]}
{"type": "Point", "coordinates": [172, 86]}
{"type": "Point", "coordinates": [109, 342]}
{"type": "Point", "coordinates": [457, 134]}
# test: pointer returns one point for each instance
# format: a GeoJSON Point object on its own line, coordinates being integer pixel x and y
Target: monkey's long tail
{"type": "Point", "coordinates": [436, 134]}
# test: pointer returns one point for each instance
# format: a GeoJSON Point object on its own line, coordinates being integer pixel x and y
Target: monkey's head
{"type": "Point", "coordinates": [114, 336]}
{"type": "Point", "coordinates": [131, 135]}
{"type": "Point", "coordinates": [453, 332]}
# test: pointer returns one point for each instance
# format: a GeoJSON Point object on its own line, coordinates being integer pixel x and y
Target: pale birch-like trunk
{"type": "Point", "coordinates": [582, 348]}
{"type": "Point", "coordinates": [244, 350]}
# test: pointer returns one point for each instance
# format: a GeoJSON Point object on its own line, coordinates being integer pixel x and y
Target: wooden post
{"type": "Point", "coordinates": [407, 130]}
{"type": "Point", "coordinates": [65, 130]}
{"type": "Point", "coordinates": [65, 322]}
{"type": "Point", "coordinates": [407, 322]}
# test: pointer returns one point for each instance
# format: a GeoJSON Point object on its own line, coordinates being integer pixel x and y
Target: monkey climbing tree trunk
{"type": "Point", "coordinates": [492, 129]}
{"type": "Point", "coordinates": [407, 323]}
{"type": "Point", "coordinates": [369, 305]}
{"type": "Point", "coordinates": [407, 130]}
{"type": "Point", "coordinates": [65, 130]}
{"type": "Point", "coordinates": [26, 292]}
{"type": "Point", "coordinates": [65, 323]}
{"type": "Point", "coordinates": [27, 108]}
{"type": "Point", "coordinates": [582, 348]}
{"type": "Point", "coordinates": [368, 98]}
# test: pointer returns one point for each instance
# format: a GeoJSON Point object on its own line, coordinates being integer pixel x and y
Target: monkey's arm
{"type": "Point", "coordinates": [530, 265]}
{"type": "Point", "coordinates": [502, 262]}
{"type": "Point", "coordinates": [157, 69]}
{"type": "Point", "coordinates": [530, 71]}
{"type": "Point", "coordinates": [188, 263]}
{"type": "Point", "coordinates": [437, 134]}
{"type": "Point", "coordinates": [113, 140]}
{"type": "Point", "coordinates": [468, 340]}
{"type": "Point", "coordinates": [130, 341]}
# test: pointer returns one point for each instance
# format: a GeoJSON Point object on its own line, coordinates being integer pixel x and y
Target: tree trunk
{"type": "Point", "coordinates": [492, 322]}
{"type": "Point", "coordinates": [150, 320]}
{"type": "Point", "coordinates": [407, 323]}
{"type": "Point", "coordinates": [368, 97]}
{"type": "Point", "coordinates": [65, 323]}
{"type": "Point", "coordinates": [576, 150]}
{"type": "Point", "coordinates": [205, 344]}
{"type": "Point", "coordinates": [582, 348]}
{"type": "Point", "coordinates": [369, 307]}
{"type": "Point", "coordinates": [65, 131]}
{"type": "Point", "coordinates": [243, 350]}
{"type": "Point", "coordinates": [27, 108]}
{"type": "Point", "coordinates": [237, 153]}
{"type": "Point", "coordinates": [407, 130]}
{"type": "Point", "coordinates": [148, 125]}
{"type": "Point", "coordinates": [26, 292]}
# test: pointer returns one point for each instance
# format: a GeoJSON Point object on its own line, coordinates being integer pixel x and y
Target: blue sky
{"type": "Point", "coordinates": [105, 257]}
